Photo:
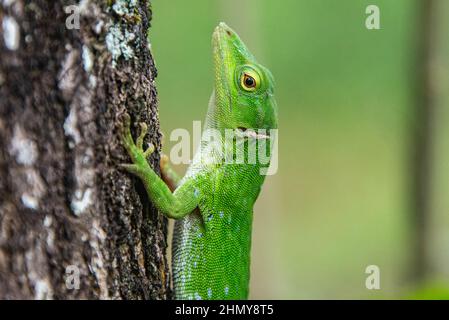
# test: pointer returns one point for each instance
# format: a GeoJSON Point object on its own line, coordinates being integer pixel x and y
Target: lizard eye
{"type": "Point", "coordinates": [249, 80]}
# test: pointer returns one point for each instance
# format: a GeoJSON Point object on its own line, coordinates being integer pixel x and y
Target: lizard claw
{"type": "Point", "coordinates": [125, 131]}
{"type": "Point", "coordinates": [143, 132]}
{"type": "Point", "coordinates": [139, 141]}
{"type": "Point", "coordinates": [128, 167]}
{"type": "Point", "coordinates": [135, 150]}
{"type": "Point", "coordinates": [149, 150]}
{"type": "Point", "coordinates": [125, 123]}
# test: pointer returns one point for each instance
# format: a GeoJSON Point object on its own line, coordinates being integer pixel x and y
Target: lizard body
{"type": "Point", "coordinates": [213, 202]}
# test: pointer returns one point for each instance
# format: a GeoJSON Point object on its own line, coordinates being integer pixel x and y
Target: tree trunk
{"type": "Point", "coordinates": [72, 225]}
{"type": "Point", "coordinates": [423, 136]}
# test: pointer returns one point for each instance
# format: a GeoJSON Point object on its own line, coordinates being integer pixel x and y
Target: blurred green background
{"type": "Point", "coordinates": [341, 199]}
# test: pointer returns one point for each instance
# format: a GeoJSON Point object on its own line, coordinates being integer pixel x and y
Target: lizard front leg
{"type": "Point", "coordinates": [174, 205]}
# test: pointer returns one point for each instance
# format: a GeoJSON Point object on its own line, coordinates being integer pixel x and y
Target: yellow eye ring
{"type": "Point", "coordinates": [249, 80]}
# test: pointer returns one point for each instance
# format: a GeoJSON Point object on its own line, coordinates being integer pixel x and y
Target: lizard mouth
{"type": "Point", "coordinates": [252, 133]}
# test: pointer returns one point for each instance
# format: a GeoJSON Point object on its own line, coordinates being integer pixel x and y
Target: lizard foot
{"type": "Point", "coordinates": [135, 150]}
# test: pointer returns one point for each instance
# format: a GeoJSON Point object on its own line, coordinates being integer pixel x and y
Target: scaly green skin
{"type": "Point", "coordinates": [214, 201]}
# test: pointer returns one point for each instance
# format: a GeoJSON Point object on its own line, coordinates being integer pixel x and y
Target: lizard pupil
{"type": "Point", "coordinates": [249, 81]}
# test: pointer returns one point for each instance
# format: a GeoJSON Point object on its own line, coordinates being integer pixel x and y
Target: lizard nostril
{"type": "Point", "coordinates": [229, 33]}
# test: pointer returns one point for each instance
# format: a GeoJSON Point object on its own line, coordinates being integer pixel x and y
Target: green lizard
{"type": "Point", "coordinates": [213, 202]}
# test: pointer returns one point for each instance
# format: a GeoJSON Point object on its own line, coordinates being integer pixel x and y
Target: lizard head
{"type": "Point", "coordinates": [244, 97]}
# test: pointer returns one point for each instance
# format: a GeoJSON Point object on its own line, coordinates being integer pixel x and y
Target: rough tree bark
{"type": "Point", "coordinates": [64, 205]}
